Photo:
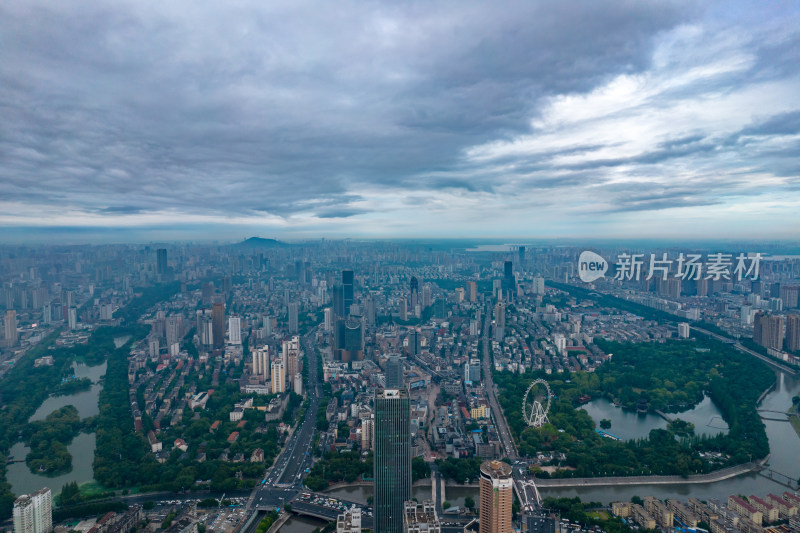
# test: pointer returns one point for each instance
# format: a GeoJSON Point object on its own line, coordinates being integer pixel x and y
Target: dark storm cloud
{"type": "Point", "coordinates": [248, 108]}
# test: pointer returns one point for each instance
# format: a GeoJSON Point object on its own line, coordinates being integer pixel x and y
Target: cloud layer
{"type": "Point", "coordinates": [362, 118]}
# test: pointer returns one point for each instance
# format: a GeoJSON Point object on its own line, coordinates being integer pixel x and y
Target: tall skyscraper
{"type": "Point", "coordinates": [11, 328]}
{"type": "Point", "coordinates": [394, 372]}
{"type": "Point", "coordinates": [370, 311]}
{"type": "Point", "coordinates": [392, 461]}
{"type": "Point", "coordinates": [347, 291]}
{"type": "Point", "coordinates": [293, 312]}
{"type": "Point", "coordinates": [509, 284]}
{"type": "Point", "coordinates": [414, 291]}
{"type": "Point", "coordinates": [278, 378]}
{"type": "Point", "coordinates": [161, 261]}
{"type": "Point", "coordinates": [793, 333]}
{"type": "Point", "coordinates": [218, 320]}
{"type": "Point", "coordinates": [235, 330]}
{"type": "Point", "coordinates": [34, 513]}
{"type": "Point", "coordinates": [768, 330]}
{"type": "Point", "coordinates": [328, 319]}
{"type": "Point", "coordinates": [497, 494]}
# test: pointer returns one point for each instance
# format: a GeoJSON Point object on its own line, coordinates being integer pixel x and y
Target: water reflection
{"type": "Point", "coordinates": [629, 425]}
{"type": "Point", "coordinates": [24, 482]}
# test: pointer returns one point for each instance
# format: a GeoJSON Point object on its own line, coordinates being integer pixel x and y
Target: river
{"type": "Point", "coordinates": [22, 480]}
{"type": "Point", "coordinates": [784, 446]}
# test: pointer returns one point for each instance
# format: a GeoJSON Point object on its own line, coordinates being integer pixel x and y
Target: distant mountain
{"type": "Point", "coordinates": [258, 242]}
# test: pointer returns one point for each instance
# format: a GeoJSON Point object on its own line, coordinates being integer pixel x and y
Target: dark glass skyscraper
{"type": "Point", "coordinates": [347, 291]}
{"type": "Point", "coordinates": [392, 458]}
{"type": "Point", "coordinates": [394, 372]}
{"type": "Point", "coordinates": [161, 261]}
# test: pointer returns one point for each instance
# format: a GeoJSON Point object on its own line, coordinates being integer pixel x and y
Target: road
{"type": "Point", "coordinates": [500, 419]}
{"type": "Point", "coordinates": [284, 479]}
{"type": "Point", "coordinates": [748, 351]}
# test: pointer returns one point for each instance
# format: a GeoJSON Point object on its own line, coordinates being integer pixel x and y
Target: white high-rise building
{"type": "Point", "coordinates": [683, 330]}
{"type": "Point", "coordinates": [560, 342]}
{"type": "Point", "coordinates": [538, 285]}
{"type": "Point", "coordinates": [72, 318]}
{"type": "Point", "coordinates": [278, 378]}
{"type": "Point", "coordinates": [34, 513]}
{"type": "Point", "coordinates": [328, 319]}
{"type": "Point", "coordinates": [298, 383]}
{"type": "Point", "coordinates": [235, 330]}
{"type": "Point", "coordinates": [261, 363]}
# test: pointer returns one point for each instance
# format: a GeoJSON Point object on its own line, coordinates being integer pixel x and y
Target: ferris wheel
{"type": "Point", "coordinates": [534, 411]}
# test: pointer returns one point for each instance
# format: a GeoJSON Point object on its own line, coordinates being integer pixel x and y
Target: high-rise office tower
{"type": "Point", "coordinates": [403, 309]}
{"type": "Point", "coordinates": [392, 461]}
{"type": "Point", "coordinates": [394, 372]}
{"type": "Point", "coordinates": [768, 330]}
{"type": "Point", "coordinates": [509, 284]}
{"type": "Point", "coordinates": [278, 378]}
{"type": "Point", "coordinates": [208, 293]}
{"type": "Point", "coordinates": [34, 513]}
{"type": "Point", "coordinates": [793, 333]}
{"type": "Point", "coordinates": [218, 320]}
{"type": "Point", "coordinates": [521, 252]}
{"type": "Point", "coordinates": [293, 312]}
{"type": "Point", "coordinates": [347, 291]}
{"type": "Point", "coordinates": [414, 291]}
{"type": "Point", "coordinates": [370, 311]}
{"type": "Point", "coordinates": [235, 330]}
{"type": "Point", "coordinates": [349, 339]}
{"type": "Point", "coordinates": [261, 363]}
{"type": "Point", "coordinates": [426, 296]}
{"type": "Point", "coordinates": [497, 494]}
{"type": "Point", "coordinates": [161, 261]}
{"type": "Point", "coordinates": [328, 319]}
{"type": "Point", "coordinates": [414, 342]}
{"type": "Point", "coordinates": [11, 328]}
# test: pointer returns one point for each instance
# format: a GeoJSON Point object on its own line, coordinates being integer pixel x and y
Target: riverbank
{"type": "Point", "coordinates": [712, 477]}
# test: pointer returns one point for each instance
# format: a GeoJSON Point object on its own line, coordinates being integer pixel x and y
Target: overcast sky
{"type": "Point", "coordinates": [177, 119]}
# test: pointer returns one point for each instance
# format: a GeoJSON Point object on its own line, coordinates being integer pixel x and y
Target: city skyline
{"type": "Point", "coordinates": [135, 122]}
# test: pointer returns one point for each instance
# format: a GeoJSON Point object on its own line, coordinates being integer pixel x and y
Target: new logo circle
{"type": "Point", "coordinates": [591, 266]}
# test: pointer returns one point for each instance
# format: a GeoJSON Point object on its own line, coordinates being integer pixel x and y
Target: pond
{"type": "Point", "coordinates": [628, 425]}
{"type": "Point", "coordinates": [22, 480]}
{"type": "Point", "coordinates": [84, 401]}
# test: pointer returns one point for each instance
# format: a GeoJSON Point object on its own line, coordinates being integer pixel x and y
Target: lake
{"type": "Point", "coordinates": [629, 425]}
{"type": "Point", "coordinates": [22, 480]}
